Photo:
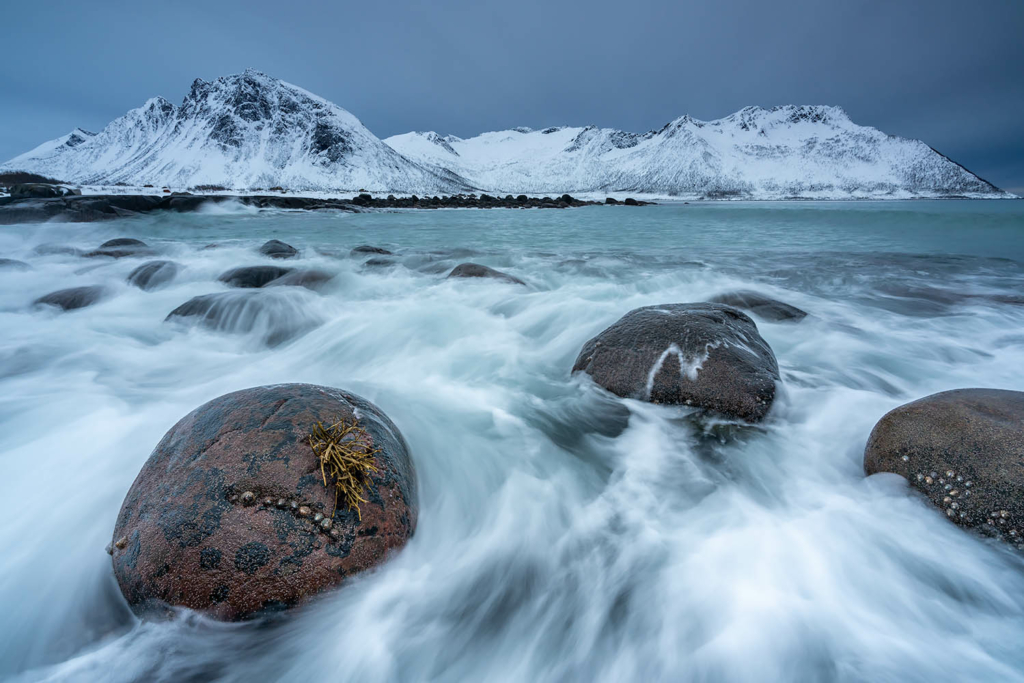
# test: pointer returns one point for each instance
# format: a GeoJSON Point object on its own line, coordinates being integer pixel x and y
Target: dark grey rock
{"type": "Point", "coordinates": [13, 264]}
{"type": "Point", "coordinates": [121, 247]}
{"type": "Point", "coordinates": [476, 270]}
{"type": "Point", "coordinates": [252, 277]}
{"type": "Point", "coordinates": [278, 249]}
{"type": "Point", "coordinates": [367, 249]}
{"type": "Point", "coordinates": [761, 306]}
{"type": "Point", "coordinates": [152, 275]}
{"type": "Point", "coordinates": [72, 298]}
{"type": "Point", "coordinates": [272, 314]}
{"type": "Point", "coordinates": [964, 450]}
{"type": "Point", "coordinates": [310, 279]}
{"type": "Point", "coordinates": [704, 355]}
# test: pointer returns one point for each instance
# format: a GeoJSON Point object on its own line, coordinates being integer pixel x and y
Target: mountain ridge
{"type": "Point", "coordinates": [251, 131]}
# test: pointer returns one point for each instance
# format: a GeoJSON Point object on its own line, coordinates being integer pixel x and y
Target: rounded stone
{"type": "Point", "coordinates": [761, 306]}
{"type": "Point", "coordinates": [185, 542]}
{"type": "Point", "coordinates": [278, 249]}
{"type": "Point", "coordinates": [153, 275]}
{"type": "Point", "coordinates": [475, 270]}
{"type": "Point", "coordinates": [975, 433]}
{"type": "Point", "coordinates": [73, 298]}
{"type": "Point", "coordinates": [706, 355]}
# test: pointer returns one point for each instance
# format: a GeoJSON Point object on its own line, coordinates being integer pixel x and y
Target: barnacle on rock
{"type": "Point", "coordinates": [346, 456]}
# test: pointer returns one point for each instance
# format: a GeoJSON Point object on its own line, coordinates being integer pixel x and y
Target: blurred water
{"type": "Point", "coordinates": [563, 535]}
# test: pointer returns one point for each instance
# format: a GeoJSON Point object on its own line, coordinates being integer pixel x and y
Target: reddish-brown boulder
{"type": "Point", "coordinates": [230, 514]}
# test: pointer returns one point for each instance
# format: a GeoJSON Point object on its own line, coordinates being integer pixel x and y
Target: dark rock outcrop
{"type": "Point", "coordinates": [73, 297]}
{"type": "Point", "coordinates": [278, 249]}
{"type": "Point", "coordinates": [964, 450]}
{"type": "Point", "coordinates": [252, 277]}
{"type": "Point", "coordinates": [230, 515]}
{"type": "Point", "coordinates": [41, 191]}
{"type": "Point", "coordinates": [476, 270]}
{"type": "Point", "coordinates": [703, 355]}
{"type": "Point", "coordinates": [152, 275]}
{"type": "Point", "coordinates": [760, 305]}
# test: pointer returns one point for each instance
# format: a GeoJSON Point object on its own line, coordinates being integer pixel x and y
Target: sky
{"type": "Point", "coordinates": [949, 72]}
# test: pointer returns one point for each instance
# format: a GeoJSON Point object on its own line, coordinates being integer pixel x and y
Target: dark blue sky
{"type": "Point", "coordinates": [950, 72]}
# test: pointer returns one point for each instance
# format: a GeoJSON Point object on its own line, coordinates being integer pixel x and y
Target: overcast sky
{"type": "Point", "coordinates": [950, 72]}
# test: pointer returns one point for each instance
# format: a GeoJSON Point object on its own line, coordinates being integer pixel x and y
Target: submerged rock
{"type": "Point", "coordinates": [121, 247]}
{"type": "Point", "coordinates": [275, 315]}
{"type": "Point", "coordinates": [252, 277]}
{"type": "Point", "coordinates": [964, 450]}
{"type": "Point", "coordinates": [761, 306]}
{"type": "Point", "coordinates": [13, 264]}
{"type": "Point", "coordinates": [72, 298]}
{"type": "Point", "coordinates": [57, 249]}
{"type": "Point", "coordinates": [476, 270]}
{"type": "Point", "coordinates": [379, 262]}
{"type": "Point", "coordinates": [278, 249]}
{"type": "Point", "coordinates": [367, 249]}
{"type": "Point", "coordinates": [154, 274]}
{"type": "Point", "coordinates": [230, 515]}
{"type": "Point", "coordinates": [704, 355]}
{"type": "Point", "coordinates": [310, 279]}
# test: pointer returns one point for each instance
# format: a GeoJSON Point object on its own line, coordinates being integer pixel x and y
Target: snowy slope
{"type": "Point", "coordinates": [252, 131]}
{"type": "Point", "coordinates": [243, 131]}
{"type": "Point", "coordinates": [791, 151]}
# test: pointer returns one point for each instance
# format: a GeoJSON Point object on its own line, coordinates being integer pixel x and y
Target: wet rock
{"type": "Point", "coordinates": [252, 277]}
{"type": "Point", "coordinates": [630, 201]}
{"type": "Point", "coordinates": [964, 450]}
{"type": "Point", "coordinates": [367, 249]}
{"type": "Point", "coordinates": [72, 298]}
{"type": "Point", "coordinates": [275, 316]}
{"type": "Point", "coordinates": [761, 306]}
{"type": "Point", "coordinates": [152, 275]}
{"type": "Point", "coordinates": [57, 250]}
{"type": "Point", "coordinates": [476, 270]}
{"type": "Point", "coordinates": [13, 264]}
{"type": "Point", "coordinates": [202, 527]}
{"type": "Point", "coordinates": [122, 247]}
{"type": "Point", "coordinates": [310, 279]}
{"type": "Point", "coordinates": [703, 355]}
{"type": "Point", "coordinates": [278, 249]}
{"type": "Point", "coordinates": [379, 263]}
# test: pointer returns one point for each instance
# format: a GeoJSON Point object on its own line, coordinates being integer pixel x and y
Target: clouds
{"type": "Point", "coordinates": [946, 72]}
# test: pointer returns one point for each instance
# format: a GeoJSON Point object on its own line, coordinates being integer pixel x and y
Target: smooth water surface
{"type": "Point", "coordinates": [564, 534]}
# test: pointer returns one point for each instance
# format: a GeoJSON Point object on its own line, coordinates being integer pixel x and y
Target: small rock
{"type": "Point", "coordinates": [252, 277]}
{"type": "Point", "coordinates": [470, 270]}
{"type": "Point", "coordinates": [72, 298]}
{"type": "Point", "coordinates": [761, 306]}
{"type": "Point", "coordinates": [367, 249]}
{"type": "Point", "coordinates": [278, 249]}
{"type": "Point", "coordinates": [152, 275]}
{"type": "Point", "coordinates": [13, 264]}
{"type": "Point", "coordinates": [310, 279]}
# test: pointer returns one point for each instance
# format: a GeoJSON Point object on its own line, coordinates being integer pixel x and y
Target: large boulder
{"type": "Point", "coordinates": [230, 514]}
{"type": "Point", "coordinates": [152, 275]}
{"type": "Point", "coordinates": [964, 450]}
{"type": "Point", "coordinates": [703, 355]}
{"type": "Point", "coordinates": [761, 306]}
{"type": "Point", "coordinates": [73, 297]}
{"type": "Point", "coordinates": [475, 270]}
{"type": "Point", "coordinates": [252, 277]}
{"type": "Point", "coordinates": [278, 249]}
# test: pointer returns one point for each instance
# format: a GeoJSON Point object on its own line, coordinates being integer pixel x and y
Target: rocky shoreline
{"type": "Point", "coordinates": [41, 203]}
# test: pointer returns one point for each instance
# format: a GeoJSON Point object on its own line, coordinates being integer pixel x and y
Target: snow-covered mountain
{"type": "Point", "coordinates": [243, 131]}
{"type": "Point", "coordinates": [791, 151]}
{"type": "Point", "coordinates": [251, 131]}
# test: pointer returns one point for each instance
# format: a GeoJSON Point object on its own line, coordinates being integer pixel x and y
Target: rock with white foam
{"type": "Point", "coordinates": [709, 356]}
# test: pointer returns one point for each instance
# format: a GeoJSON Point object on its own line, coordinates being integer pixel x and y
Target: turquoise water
{"type": "Point", "coordinates": [557, 540]}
